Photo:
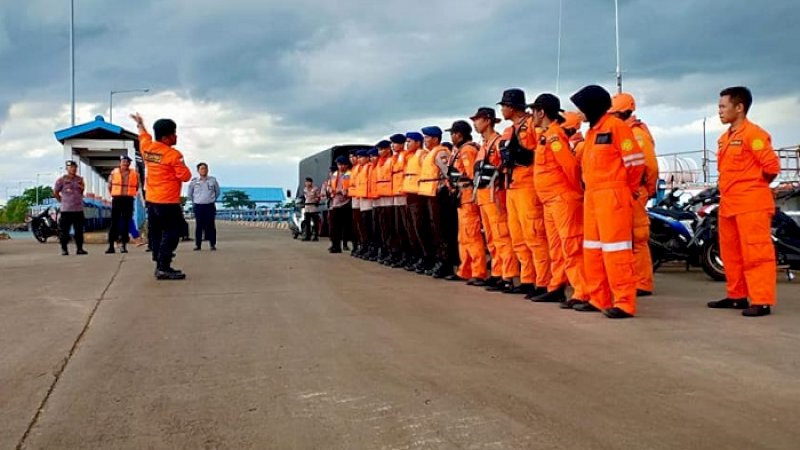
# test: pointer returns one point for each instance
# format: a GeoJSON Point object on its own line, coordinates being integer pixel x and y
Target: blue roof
{"type": "Point", "coordinates": [258, 194]}
{"type": "Point", "coordinates": [98, 124]}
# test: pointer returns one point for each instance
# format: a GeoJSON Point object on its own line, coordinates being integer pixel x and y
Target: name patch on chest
{"type": "Point", "coordinates": [152, 157]}
{"type": "Point", "coordinates": [604, 138]}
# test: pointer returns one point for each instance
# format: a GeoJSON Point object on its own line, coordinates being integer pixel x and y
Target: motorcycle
{"type": "Point", "coordinates": [296, 220]}
{"type": "Point", "coordinates": [45, 225]}
{"type": "Point", "coordinates": [785, 237]}
{"type": "Point", "coordinates": [678, 227]}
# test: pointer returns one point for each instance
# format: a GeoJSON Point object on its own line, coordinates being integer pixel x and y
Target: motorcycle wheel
{"type": "Point", "coordinates": [38, 233]}
{"type": "Point", "coordinates": [712, 261]}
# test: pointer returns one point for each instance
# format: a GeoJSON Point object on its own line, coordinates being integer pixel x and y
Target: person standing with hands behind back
{"type": "Point", "coordinates": [69, 191]}
{"type": "Point", "coordinates": [204, 192]}
{"type": "Point", "coordinates": [165, 173]}
{"type": "Point", "coordinates": [747, 164]}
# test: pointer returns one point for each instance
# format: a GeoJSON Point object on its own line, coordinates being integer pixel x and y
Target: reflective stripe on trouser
{"type": "Point", "coordinates": [563, 218]}
{"type": "Point", "coordinates": [529, 236]}
{"type": "Point", "coordinates": [608, 249]}
{"type": "Point", "coordinates": [471, 250]}
{"type": "Point", "coordinates": [495, 218]}
{"type": "Point", "coordinates": [641, 243]}
{"type": "Point", "coordinates": [749, 256]}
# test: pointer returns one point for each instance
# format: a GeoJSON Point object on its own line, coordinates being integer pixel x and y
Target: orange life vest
{"type": "Point", "coordinates": [384, 176]}
{"type": "Point", "coordinates": [411, 174]}
{"type": "Point", "coordinates": [124, 188]}
{"type": "Point", "coordinates": [431, 176]}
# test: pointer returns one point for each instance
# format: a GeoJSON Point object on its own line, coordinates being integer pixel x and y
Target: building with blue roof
{"type": "Point", "coordinates": [263, 197]}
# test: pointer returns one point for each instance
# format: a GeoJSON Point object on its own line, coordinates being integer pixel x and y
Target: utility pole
{"type": "Point", "coordinates": [705, 153]}
{"type": "Point", "coordinates": [72, 60]}
{"type": "Point", "coordinates": [616, 27]}
{"type": "Point", "coordinates": [558, 60]}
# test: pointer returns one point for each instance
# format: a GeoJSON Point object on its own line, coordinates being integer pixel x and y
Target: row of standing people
{"type": "Point", "coordinates": [549, 208]}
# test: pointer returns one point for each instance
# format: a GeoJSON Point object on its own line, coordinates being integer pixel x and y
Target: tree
{"type": "Point", "coordinates": [237, 199]}
{"type": "Point", "coordinates": [45, 192]}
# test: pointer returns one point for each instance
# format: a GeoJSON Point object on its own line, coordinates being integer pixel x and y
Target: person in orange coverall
{"type": "Point", "coordinates": [490, 196]}
{"type": "Point", "coordinates": [747, 164]}
{"type": "Point", "coordinates": [461, 171]}
{"type": "Point", "coordinates": [558, 184]}
{"type": "Point", "coordinates": [525, 211]}
{"type": "Point", "coordinates": [613, 166]}
{"type": "Point", "coordinates": [166, 172]}
{"type": "Point", "coordinates": [623, 105]}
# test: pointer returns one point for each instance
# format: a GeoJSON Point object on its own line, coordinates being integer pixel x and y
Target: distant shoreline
{"type": "Point", "coordinates": [14, 227]}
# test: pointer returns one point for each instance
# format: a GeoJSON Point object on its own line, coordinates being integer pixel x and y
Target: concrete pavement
{"type": "Point", "coordinates": [274, 343]}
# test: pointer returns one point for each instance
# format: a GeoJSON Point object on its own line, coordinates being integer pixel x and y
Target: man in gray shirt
{"type": "Point", "coordinates": [204, 192]}
{"type": "Point", "coordinates": [313, 197]}
{"type": "Point", "coordinates": [69, 191]}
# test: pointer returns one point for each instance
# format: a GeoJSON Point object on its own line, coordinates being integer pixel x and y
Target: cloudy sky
{"type": "Point", "coordinates": [255, 85]}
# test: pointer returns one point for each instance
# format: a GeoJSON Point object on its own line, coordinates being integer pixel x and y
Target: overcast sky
{"type": "Point", "coordinates": [255, 85]}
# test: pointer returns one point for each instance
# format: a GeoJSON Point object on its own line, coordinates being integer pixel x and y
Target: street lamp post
{"type": "Point", "coordinates": [72, 60]}
{"type": "Point", "coordinates": [111, 100]}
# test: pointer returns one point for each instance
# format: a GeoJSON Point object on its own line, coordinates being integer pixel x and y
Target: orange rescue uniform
{"type": "Point", "coordinates": [166, 171]}
{"type": "Point", "coordinates": [613, 166]}
{"type": "Point", "coordinates": [558, 185]}
{"type": "Point", "coordinates": [492, 203]}
{"type": "Point", "coordinates": [647, 189]}
{"type": "Point", "coordinates": [526, 212]}
{"type": "Point", "coordinates": [471, 248]}
{"type": "Point", "coordinates": [746, 163]}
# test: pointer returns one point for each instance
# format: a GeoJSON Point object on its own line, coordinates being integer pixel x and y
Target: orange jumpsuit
{"type": "Point", "coordinates": [526, 213]}
{"type": "Point", "coordinates": [558, 185]}
{"type": "Point", "coordinates": [613, 166]}
{"type": "Point", "coordinates": [641, 221]}
{"type": "Point", "coordinates": [745, 161]}
{"type": "Point", "coordinates": [471, 248]}
{"type": "Point", "coordinates": [492, 203]}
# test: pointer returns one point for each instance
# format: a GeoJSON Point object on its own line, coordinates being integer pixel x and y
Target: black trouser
{"type": "Point", "coordinates": [310, 224]}
{"type": "Point", "coordinates": [410, 238]}
{"type": "Point", "coordinates": [389, 230]}
{"type": "Point", "coordinates": [421, 222]}
{"type": "Point", "coordinates": [367, 235]}
{"type": "Point", "coordinates": [71, 219]}
{"type": "Point", "coordinates": [356, 226]}
{"type": "Point", "coordinates": [444, 226]}
{"type": "Point", "coordinates": [418, 224]}
{"type": "Point", "coordinates": [204, 224]}
{"type": "Point", "coordinates": [340, 219]}
{"type": "Point", "coordinates": [166, 222]}
{"type": "Point", "coordinates": [402, 239]}
{"type": "Point", "coordinates": [121, 216]}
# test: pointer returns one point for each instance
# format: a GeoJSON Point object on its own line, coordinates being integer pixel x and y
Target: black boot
{"type": "Point", "coordinates": [110, 250]}
{"type": "Point", "coordinates": [757, 311]}
{"type": "Point", "coordinates": [729, 303]}
{"type": "Point", "coordinates": [585, 307]}
{"type": "Point", "coordinates": [535, 291]}
{"type": "Point", "coordinates": [551, 297]}
{"type": "Point", "coordinates": [521, 289]}
{"type": "Point", "coordinates": [124, 249]}
{"type": "Point", "coordinates": [616, 313]}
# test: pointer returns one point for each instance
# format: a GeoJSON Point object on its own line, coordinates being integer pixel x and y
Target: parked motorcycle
{"type": "Point", "coordinates": [785, 237]}
{"type": "Point", "coordinates": [678, 227]}
{"type": "Point", "coordinates": [45, 225]}
{"type": "Point", "coordinates": [296, 222]}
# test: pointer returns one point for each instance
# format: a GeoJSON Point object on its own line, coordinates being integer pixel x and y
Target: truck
{"type": "Point", "coordinates": [317, 166]}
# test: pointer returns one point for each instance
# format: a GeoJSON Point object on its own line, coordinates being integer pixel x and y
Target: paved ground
{"type": "Point", "coordinates": [274, 343]}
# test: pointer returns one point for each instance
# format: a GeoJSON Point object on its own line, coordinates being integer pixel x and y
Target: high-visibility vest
{"type": "Point", "coordinates": [384, 176]}
{"type": "Point", "coordinates": [431, 176]}
{"type": "Point", "coordinates": [411, 174]}
{"type": "Point", "coordinates": [124, 188]}
{"type": "Point", "coordinates": [352, 189]}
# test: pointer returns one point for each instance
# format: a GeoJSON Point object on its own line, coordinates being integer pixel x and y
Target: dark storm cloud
{"type": "Point", "coordinates": [358, 63]}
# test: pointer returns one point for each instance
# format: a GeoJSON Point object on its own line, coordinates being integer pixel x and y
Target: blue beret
{"type": "Point", "coordinates": [414, 136]}
{"type": "Point", "coordinates": [361, 153]}
{"type": "Point", "coordinates": [433, 131]}
{"type": "Point", "coordinates": [343, 160]}
{"type": "Point", "coordinates": [383, 144]}
{"type": "Point", "coordinates": [398, 138]}
{"type": "Point", "coordinates": [373, 151]}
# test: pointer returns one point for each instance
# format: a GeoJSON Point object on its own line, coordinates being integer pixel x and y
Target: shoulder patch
{"type": "Point", "coordinates": [603, 138]}
{"type": "Point", "coordinates": [556, 146]}
{"type": "Point", "coordinates": [627, 145]}
{"type": "Point", "coordinates": [737, 142]}
{"type": "Point", "coordinates": [757, 144]}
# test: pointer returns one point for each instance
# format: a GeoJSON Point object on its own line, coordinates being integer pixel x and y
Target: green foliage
{"type": "Point", "coordinates": [236, 199]}
{"type": "Point", "coordinates": [17, 207]}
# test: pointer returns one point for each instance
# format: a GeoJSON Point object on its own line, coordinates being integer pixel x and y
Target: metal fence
{"type": "Point", "coordinates": [255, 215]}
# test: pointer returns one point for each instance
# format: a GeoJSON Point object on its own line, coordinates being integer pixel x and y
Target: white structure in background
{"type": "Point", "coordinates": [97, 147]}
{"type": "Point", "coordinates": [679, 169]}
